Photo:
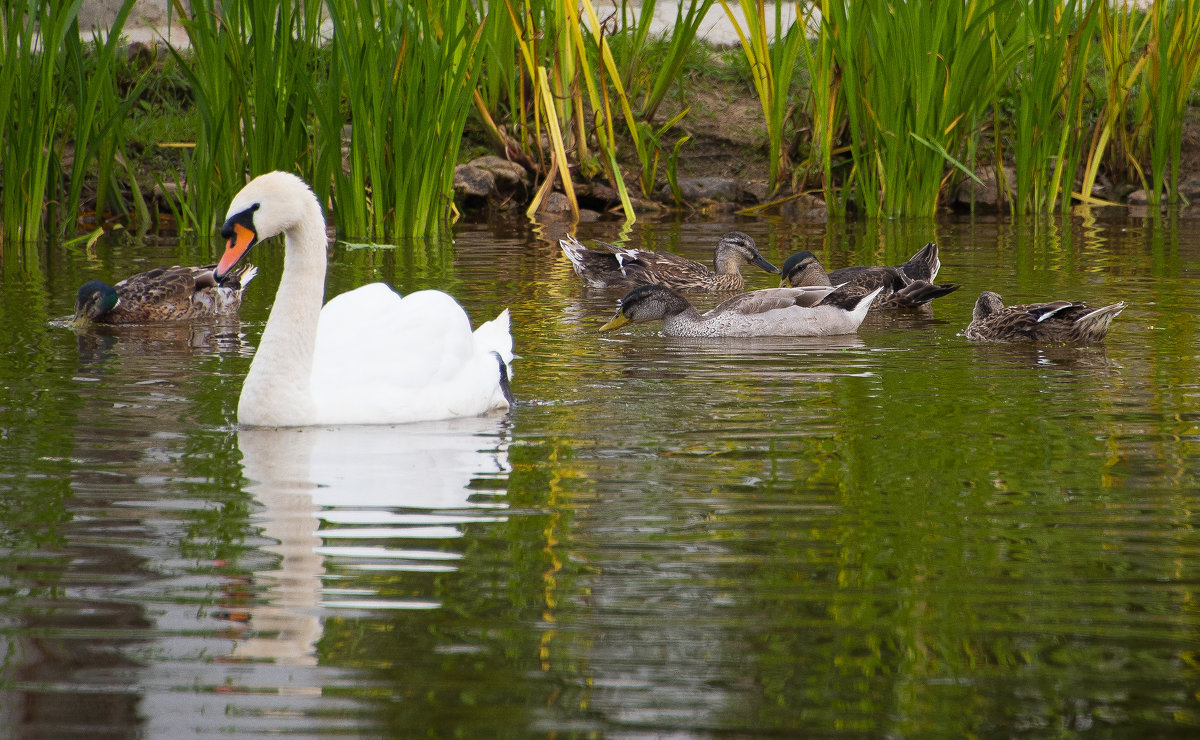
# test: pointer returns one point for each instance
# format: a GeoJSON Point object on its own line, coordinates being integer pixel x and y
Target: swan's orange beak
{"type": "Point", "coordinates": [239, 243]}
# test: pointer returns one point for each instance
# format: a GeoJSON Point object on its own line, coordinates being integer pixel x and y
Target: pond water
{"type": "Point", "coordinates": [898, 533]}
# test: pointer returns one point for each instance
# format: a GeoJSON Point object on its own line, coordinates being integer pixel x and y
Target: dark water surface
{"type": "Point", "coordinates": [897, 534]}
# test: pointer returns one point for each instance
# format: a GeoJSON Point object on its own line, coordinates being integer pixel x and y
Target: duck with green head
{"type": "Point", "coordinates": [909, 285]}
{"type": "Point", "coordinates": [164, 294]}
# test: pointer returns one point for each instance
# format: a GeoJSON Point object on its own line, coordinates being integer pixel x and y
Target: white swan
{"type": "Point", "coordinates": [367, 357]}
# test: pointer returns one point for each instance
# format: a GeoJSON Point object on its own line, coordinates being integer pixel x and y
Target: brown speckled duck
{"type": "Point", "coordinates": [1055, 321]}
{"type": "Point", "coordinates": [904, 286]}
{"type": "Point", "coordinates": [778, 312]}
{"type": "Point", "coordinates": [628, 268]}
{"type": "Point", "coordinates": [164, 294]}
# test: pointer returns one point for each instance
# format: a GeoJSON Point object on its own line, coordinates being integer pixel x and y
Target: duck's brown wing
{"type": "Point", "coordinates": [629, 268]}
{"type": "Point", "coordinates": [916, 294]}
{"type": "Point", "coordinates": [633, 267]}
{"type": "Point", "coordinates": [162, 294]}
{"type": "Point", "coordinates": [163, 285]}
{"type": "Point", "coordinates": [671, 270]}
{"type": "Point", "coordinates": [869, 278]}
{"type": "Point", "coordinates": [1064, 321]}
{"type": "Point", "coordinates": [847, 296]}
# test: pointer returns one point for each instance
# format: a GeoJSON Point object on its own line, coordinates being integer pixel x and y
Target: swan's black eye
{"type": "Point", "coordinates": [242, 218]}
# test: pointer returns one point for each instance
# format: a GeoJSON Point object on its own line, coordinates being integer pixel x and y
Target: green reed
{"type": "Point", "coordinates": [1048, 88]}
{"type": "Point", "coordinates": [606, 68]}
{"type": "Point", "coordinates": [573, 108]}
{"type": "Point", "coordinates": [772, 66]}
{"type": "Point", "coordinates": [916, 79]}
{"type": "Point", "coordinates": [651, 65]}
{"type": "Point", "coordinates": [250, 68]}
{"type": "Point", "coordinates": [34, 99]}
{"type": "Point", "coordinates": [827, 110]}
{"type": "Point", "coordinates": [101, 108]}
{"type": "Point", "coordinates": [1169, 76]}
{"type": "Point", "coordinates": [408, 73]}
{"type": "Point", "coordinates": [1122, 32]}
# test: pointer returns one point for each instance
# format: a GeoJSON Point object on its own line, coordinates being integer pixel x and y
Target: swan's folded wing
{"type": "Point", "coordinates": [372, 338]}
{"type": "Point", "coordinates": [494, 336]}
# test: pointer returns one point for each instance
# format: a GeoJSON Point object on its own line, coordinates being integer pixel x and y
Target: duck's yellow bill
{"type": "Point", "coordinates": [616, 323]}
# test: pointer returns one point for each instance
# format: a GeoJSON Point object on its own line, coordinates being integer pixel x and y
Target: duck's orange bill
{"type": "Point", "coordinates": [235, 248]}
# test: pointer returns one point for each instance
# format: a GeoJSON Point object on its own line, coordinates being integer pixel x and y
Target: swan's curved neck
{"type": "Point", "coordinates": [277, 390]}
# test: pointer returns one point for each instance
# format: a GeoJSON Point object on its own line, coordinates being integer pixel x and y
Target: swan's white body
{"type": "Point", "coordinates": [369, 356]}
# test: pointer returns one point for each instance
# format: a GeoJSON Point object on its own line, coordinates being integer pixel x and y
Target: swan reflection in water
{"type": "Point", "coordinates": [326, 491]}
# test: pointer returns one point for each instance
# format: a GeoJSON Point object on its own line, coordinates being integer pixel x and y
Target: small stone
{"type": "Point", "coordinates": [1137, 198]}
{"type": "Point", "coordinates": [805, 207]}
{"type": "Point", "coordinates": [507, 173]}
{"type": "Point", "coordinates": [602, 192]}
{"type": "Point", "coordinates": [987, 193]}
{"type": "Point", "coordinates": [709, 188]}
{"type": "Point", "coordinates": [473, 182]}
{"type": "Point", "coordinates": [755, 191]}
{"type": "Point", "coordinates": [555, 204]}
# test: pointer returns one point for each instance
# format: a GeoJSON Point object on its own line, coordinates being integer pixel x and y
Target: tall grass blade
{"type": "Point", "coordinates": [32, 89]}
{"type": "Point", "coordinates": [1169, 78]}
{"type": "Point", "coordinates": [408, 72]}
{"type": "Point", "coordinates": [249, 65]}
{"type": "Point", "coordinates": [100, 111]}
{"type": "Point", "coordinates": [772, 68]}
{"type": "Point", "coordinates": [1048, 87]}
{"type": "Point", "coordinates": [913, 73]}
{"type": "Point", "coordinates": [1121, 33]}
{"type": "Point", "coordinates": [826, 110]}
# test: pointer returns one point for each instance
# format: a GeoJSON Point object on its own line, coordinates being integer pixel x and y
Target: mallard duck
{"type": "Point", "coordinates": [903, 285]}
{"type": "Point", "coordinates": [628, 268]}
{"type": "Point", "coordinates": [766, 313]}
{"type": "Point", "coordinates": [164, 294]}
{"type": "Point", "coordinates": [366, 357]}
{"type": "Point", "coordinates": [1056, 321]}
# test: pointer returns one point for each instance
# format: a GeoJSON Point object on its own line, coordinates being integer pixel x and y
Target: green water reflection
{"type": "Point", "coordinates": [899, 533]}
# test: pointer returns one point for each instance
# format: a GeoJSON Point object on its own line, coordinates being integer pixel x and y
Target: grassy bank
{"type": "Point", "coordinates": [882, 109]}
